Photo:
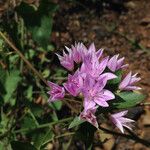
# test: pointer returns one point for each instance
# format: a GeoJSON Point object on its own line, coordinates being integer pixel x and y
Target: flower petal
{"type": "Point", "coordinates": [125, 81]}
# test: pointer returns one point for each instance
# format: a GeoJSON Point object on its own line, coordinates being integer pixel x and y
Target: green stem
{"type": "Point", "coordinates": [65, 134]}
{"type": "Point", "coordinates": [72, 100]}
{"type": "Point", "coordinates": [22, 57]}
{"type": "Point", "coordinates": [33, 117]}
{"type": "Point", "coordinates": [43, 125]}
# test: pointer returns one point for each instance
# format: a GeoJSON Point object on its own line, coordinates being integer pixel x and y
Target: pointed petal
{"type": "Point", "coordinates": [108, 95]}
{"type": "Point", "coordinates": [108, 76]}
{"type": "Point", "coordinates": [119, 125]}
{"type": "Point", "coordinates": [88, 103]}
{"type": "Point", "coordinates": [92, 48]}
{"type": "Point", "coordinates": [124, 66]}
{"type": "Point", "coordinates": [120, 63]}
{"type": "Point", "coordinates": [99, 53]}
{"type": "Point", "coordinates": [125, 120]}
{"type": "Point", "coordinates": [59, 57]}
{"type": "Point", "coordinates": [112, 63]}
{"type": "Point", "coordinates": [103, 65]}
{"type": "Point", "coordinates": [101, 102]}
{"type": "Point", "coordinates": [125, 81]}
{"type": "Point", "coordinates": [120, 114]}
{"type": "Point", "coordinates": [131, 88]}
{"type": "Point", "coordinates": [68, 49]}
{"type": "Point", "coordinates": [134, 80]}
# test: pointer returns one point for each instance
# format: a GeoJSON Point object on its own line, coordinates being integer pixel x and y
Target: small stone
{"type": "Point", "coordinates": [130, 5]}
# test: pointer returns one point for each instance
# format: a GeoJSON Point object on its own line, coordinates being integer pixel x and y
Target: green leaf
{"type": "Point", "coordinates": [39, 20]}
{"type": "Point", "coordinates": [56, 105]}
{"type": "Point", "coordinates": [4, 122]}
{"type": "Point", "coordinates": [85, 133]}
{"type": "Point", "coordinates": [5, 144]}
{"type": "Point", "coordinates": [36, 109]}
{"type": "Point", "coordinates": [118, 79]}
{"type": "Point", "coordinates": [29, 93]}
{"type": "Point", "coordinates": [41, 137]}
{"type": "Point", "coordinates": [76, 121]}
{"type": "Point", "coordinates": [2, 88]}
{"type": "Point", "coordinates": [41, 34]}
{"type": "Point", "coordinates": [46, 73]}
{"type": "Point", "coordinates": [17, 145]}
{"type": "Point", "coordinates": [10, 84]}
{"type": "Point", "coordinates": [127, 99]}
{"type": "Point", "coordinates": [28, 122]}
{"type": "Point", "coordinates": [54, 116]}
{"type": "Point", "coordinates": [112, 85]}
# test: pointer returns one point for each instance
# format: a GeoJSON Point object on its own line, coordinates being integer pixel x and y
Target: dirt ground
{"type": "Point", "coordinates": [119, 27]}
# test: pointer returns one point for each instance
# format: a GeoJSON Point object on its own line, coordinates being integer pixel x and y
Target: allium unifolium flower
{"type": "Point", "coordinates": [91, 65]}
{"type": "Point", "coordinates": [94, 92]}
{"type": "Point", "coordinates": [74, 83]}
{"type": "Point", "coordinates": [66, 60]}
{"type": "Point", "coordinates": [56, 93]}
{"type": "Point", "coordinates": [92, 81]}
{"type": "Point", "coordinates": [78, 52]}
{"type": "Point", "coordinates": [89, 115]}
{"type": "Point", "coordinates": [128, 82]}
{"type": "Point", "coordinates": [115, 64]}
{"type": "Point", "coordinates": [120, 121]}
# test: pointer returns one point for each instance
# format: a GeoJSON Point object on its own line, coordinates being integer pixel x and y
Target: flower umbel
{"type": "Point", "coordinates": [120, 121]}
{"type": "Point", "coordinates": [90, 82]}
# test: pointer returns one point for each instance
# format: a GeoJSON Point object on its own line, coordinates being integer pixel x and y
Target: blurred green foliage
{"type": "Point", "coordinates": [29, 28]}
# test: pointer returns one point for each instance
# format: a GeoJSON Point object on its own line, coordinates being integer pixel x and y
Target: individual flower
{"type": "Point", "coordinates": [128, 82]}
{"type": "Point", "coordinates": [91, 65]}
{"type": "Point", "coordinates": [66, 60]}
{"type": "Point", "coordinates": [115, 64]}
{"type": "Point", "coordinates": [94, 93]}
{"type": "Point", "coordinates": [89, 115]}
{"type": "Point", "coordinates": [74, 83]}
{"type": "Point", "coordinates": [78, 52]}
{"type": "Point", "coordinates": [92, 50]}
{"type": "Point", "coordinates": [120, 121]}
{"type": "Point", "coordinates": [56, 92]}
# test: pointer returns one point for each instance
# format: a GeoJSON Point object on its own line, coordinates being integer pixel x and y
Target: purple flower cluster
{"type": "Point", "coordinates": [90, 80]}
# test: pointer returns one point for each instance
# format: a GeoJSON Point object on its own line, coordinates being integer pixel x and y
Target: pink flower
{"type": "Point", "coordinates": [92, 50]}
{"type": "Point", "coordinates": [92, 66]}
{"type": "Point", "coordinates": [107, 76]}
{"type": "Point", "coordinates": [78, 52]}
{"type": "Point", "coordinates": [95, 94]}
{"type": "Point", "coordinates": [128, 81]}
{"type": "Point", "coordinates": [120, 121]}
{"type": "Point", "coordinates": [99, 53]}
{"type": "Point", "coordinates": [89, 115]}
{"type": "Point", "coordinates": [115, 64]}
{"type": "Point", "coordinates": [66, 60]}
{"type": "Point", "coordinates": [57, 92]}
{"type": "Point", "coordinates": [74, 83]}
